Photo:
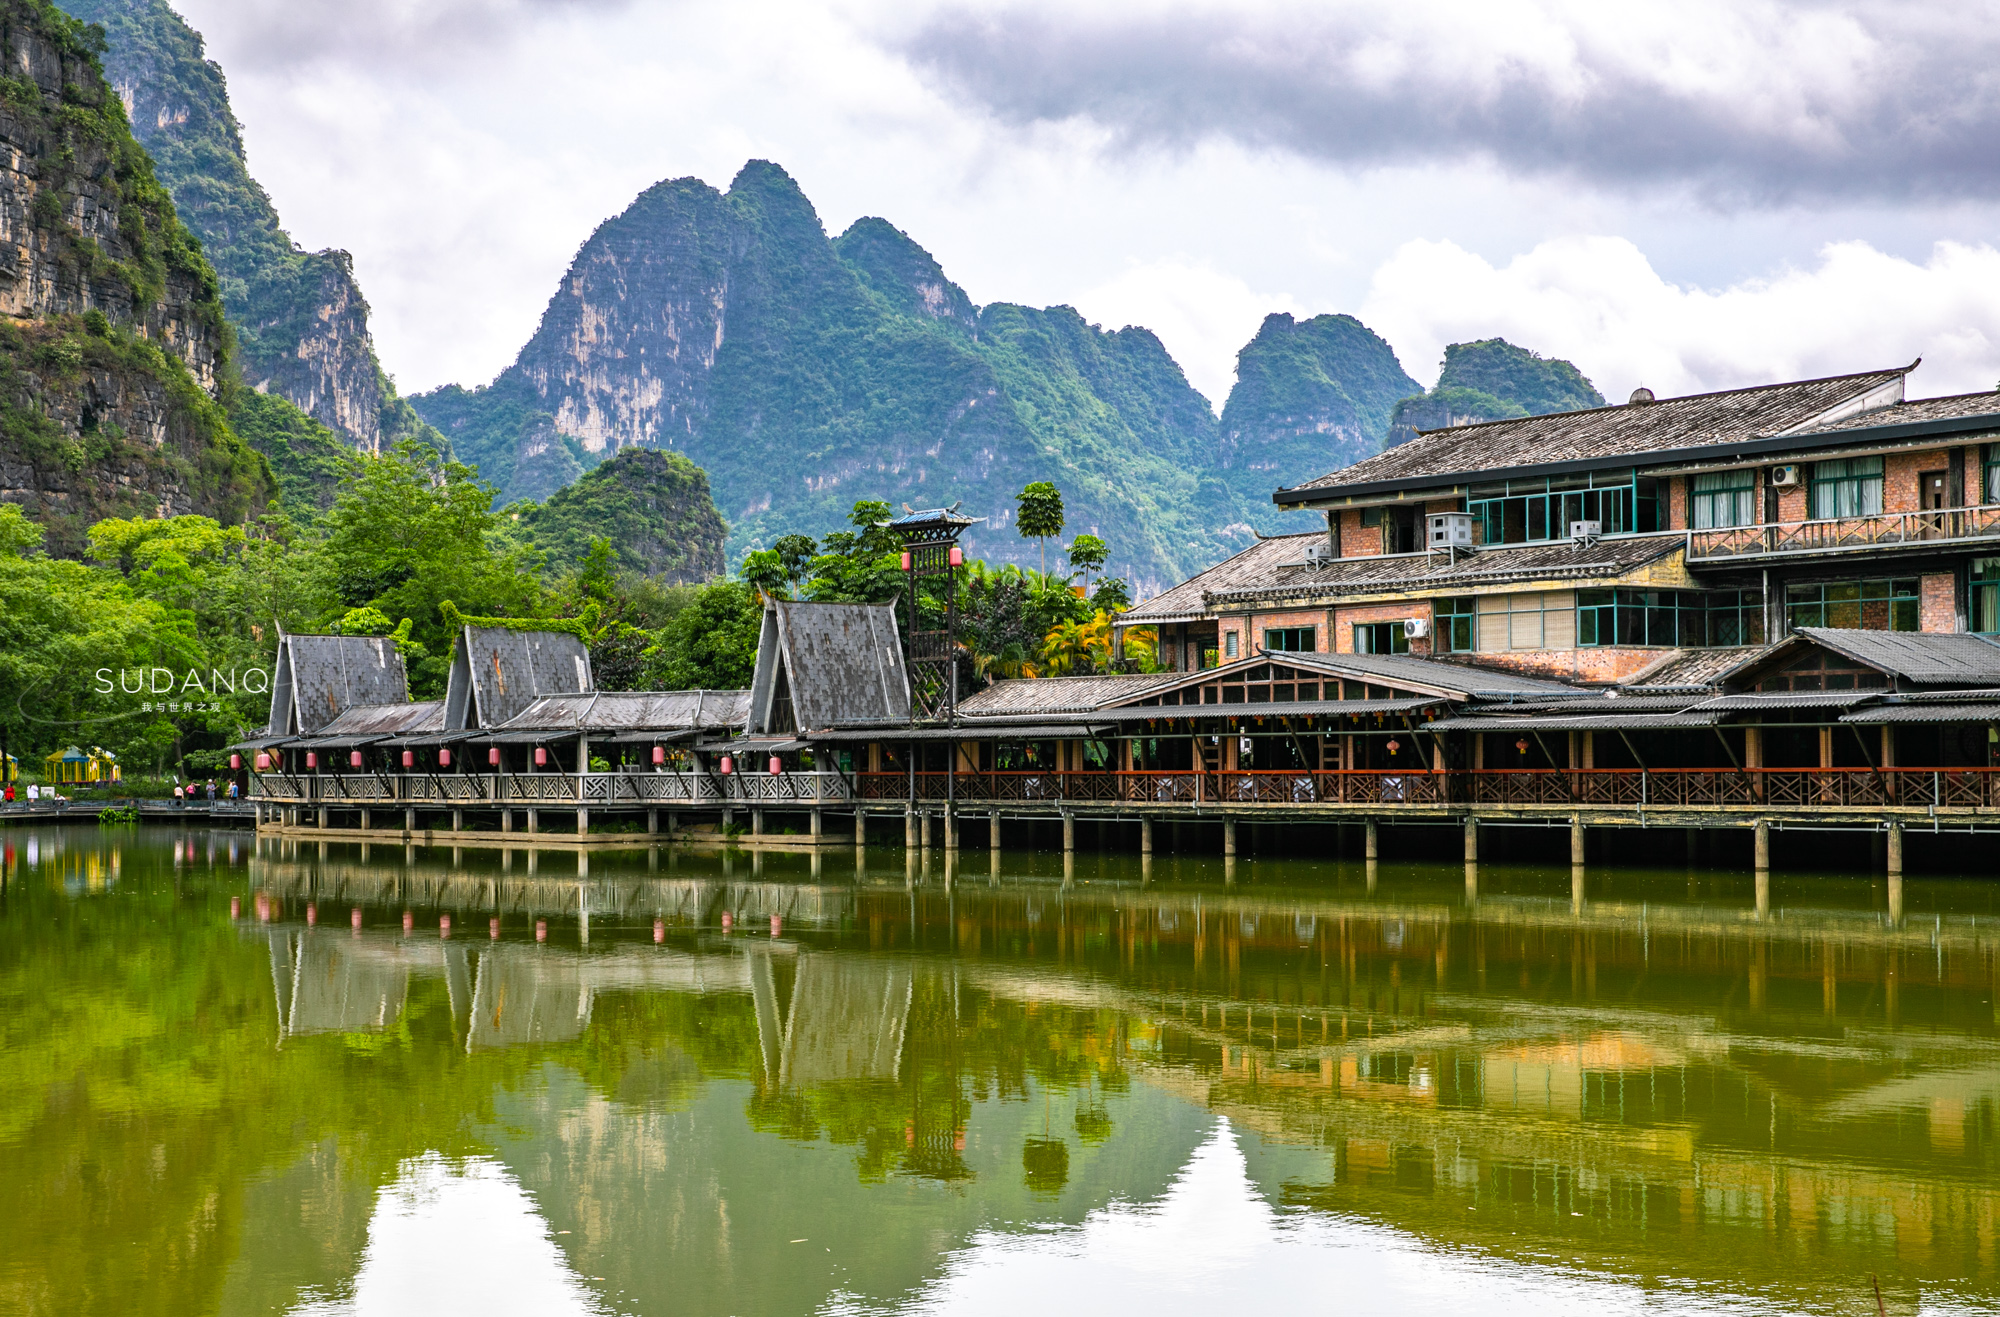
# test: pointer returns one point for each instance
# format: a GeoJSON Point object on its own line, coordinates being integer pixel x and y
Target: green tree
{"type": "Point", "coordinates": [1041, 515]}
{"type": "Point", "coordinates": [709, 645]}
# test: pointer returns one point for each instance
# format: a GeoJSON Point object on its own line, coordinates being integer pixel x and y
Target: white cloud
{"type": "Point", "coordinates": [1600, 303]}
{"type": "Point", "coordinates": [1203, 315]}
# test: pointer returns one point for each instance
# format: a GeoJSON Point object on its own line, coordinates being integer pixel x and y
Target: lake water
{"type": "Point", "coordinates": [244, 1079]}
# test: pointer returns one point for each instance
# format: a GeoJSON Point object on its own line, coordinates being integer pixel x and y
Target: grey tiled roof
{"type": "Point", "coordinates": [1559, 560]}
{"type": "Point", "coordinates": [1609, 432]}
{"type": "Point", "coordinates": [1925, 657]}
{"type": "Point", "coordinates": [1924, 713]}
{"type": "Point", "coordinates": [631, 711]}
{"type": "Point", "coordinates": [1037, 695]}
{"type": "Point", "coordinates": [496, 672]}
{"type": "Point", "coordinates": [1257, 564]}
{"type": "Point", "coordinates": [1459, 678]}
{"type": "Point", "coordinates": [1693, 669]}
{"type": "Point", "coordinates": [1787, 700]}
{"type": "Point", "coordinates": [1921, 409]}
{"type": "Point", "coordinates": [843, 664]}
{"type": "Point", "coordinates": [1624, 720]}
{"type": "Point", "coordinates": [364, 722]}
{"type": "Point", "coordinates": [321, 676]}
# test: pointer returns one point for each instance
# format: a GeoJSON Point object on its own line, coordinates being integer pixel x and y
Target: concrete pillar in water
{"type": "Point", "coordinates": [818, 824]}
{"type": "Point", "coordinates": [993, 868]}
{"type": "Point", "coordinates": [1229, 870]}
{"type": "Point", "coordinates": [993, 832]}
{"type": "Point", "coordinates": [1146, 838]}
{"type": "Point", "coordinates": [1374, 867]}
{"type": "Point", "coordinates": [409, 820]}
{"type": "Point", "coordinates": [506, 820]}
{"type": "Point", "coordinates": [924, 830]}
{"type": "Point", "coordinates": [1576, 889]}
{"type": "Point", "coordinates": [860, 826]}
{"type": "Point", "coordinates": [1895, 856]}
{"type": "Point", "coordinates": [1471, 840]}
{"type": "Point", "coordinates": [583, 823]}
{"type": "Point", "coordinates": [1576, 841]}
{"type": "Point", "coordinates": [458, 820]}
{"type": "Point", "coordinates": [1371, 843]}
{"type": "Point", "coordinates": [1763, 893]}
{"type": "Point", "coordinates": [322, 816]}
{"type": "Point", "coordinates": [1229, 839]}
{"type": "Point", "coordinates": [534, 821]}
{"type": "Point", "coordinates": [1762, 845]}
{"type": "Point", "coordinates": [909, 828]}
{"type": "Point", "coordinates": [1069, 838]}
{"type": "Point", "coordinates": [950, 828]}
{"type": "Point", "coordinates": [756, 822]}
{"type": "Point", "coordinates": [652, 823]}
{"type": "Point", "coordinates": [367, 817]}
{"type": "Point", "coordinates": [1471, 882]}
{"type": "Point", "coordinates": [1145, 868]}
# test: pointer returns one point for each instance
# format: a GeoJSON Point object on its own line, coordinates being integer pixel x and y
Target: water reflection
{"type": "Point", "coordinates": [846, 1087]}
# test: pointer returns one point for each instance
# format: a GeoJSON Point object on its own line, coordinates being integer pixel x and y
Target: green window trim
{"type": "Point", "coordinates": [1990, 468]}
{"type": "Point", "coordinates": [1846, 487]}
{"type": "Point", "coordinates": [1668, 619]}
{"type": "Point", "coordinates": [1540, 510]}
{"type": "Point", "coordinates": [1381, 638]}
{"type": "Point", "coordinates": [1456, 625]}
{"type": "Point", "coordinates": [1983, 598]}
{"type": "Point", "coordinates": [1291, 639]}
{"type": "Point", "coordinates": [1720, 499]}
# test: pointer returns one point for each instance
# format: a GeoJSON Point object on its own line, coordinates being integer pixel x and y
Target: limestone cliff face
{"type": "Point", "coordinates": [626, 346]}
{"type": "Point", "coordinates": [301, 321]}
{"type": "Point", "coordinates": [112, 340]}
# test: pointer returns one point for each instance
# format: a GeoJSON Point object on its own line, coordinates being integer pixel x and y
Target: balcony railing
{"type": "Point", "coordinates": [1884, 530]}
{"type": "Point", "coordinates": [1628, 788]}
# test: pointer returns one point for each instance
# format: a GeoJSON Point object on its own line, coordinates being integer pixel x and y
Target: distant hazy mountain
{"type": "Point", "coordinates": [1492, 380]}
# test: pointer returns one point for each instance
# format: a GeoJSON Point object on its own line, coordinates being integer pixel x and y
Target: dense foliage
{"type": "Point", "coordinates": [1311, 396]}
{"type": "Point", "coordinates": [653, 507]}
{"type": "Point", "coordinates": [1492, 380]}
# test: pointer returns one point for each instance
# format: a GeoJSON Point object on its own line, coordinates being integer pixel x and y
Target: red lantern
{"type": "Point", "coordinates": [263, 761]}
{"type": "Point", "coordinates": [235, 762]}
{"type": "Point", "coordinates": [354, 758]}
{"type": "Point", "coordinates": [1394, 745]}
{"type": "Point", "coordinates": [728, 765]}
{"type": "Point", "coordinates": [493, 756]}
{"type": "Point", "coordinates": [312, 759]}
{"type": "Point", "coordinates": [777, 765]}
{"type": "Point", "coordinates": [409, 759]}
{"type": "Point", "coordinates": [444, 759]}
{"type": "Point", "coordinates": [541, 757]}
{"type": "Point", "coordinates": [1522, 745]}
{"type": "Point", "coordinates": [659, 755]}
{"type": "Point", "coordinates": [906, 560]}
{"type": "Point", "coordinates": [957, 556]}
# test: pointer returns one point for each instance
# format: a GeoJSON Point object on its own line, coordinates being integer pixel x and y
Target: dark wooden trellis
{"type": "Point", "coordinates": [930, 549]}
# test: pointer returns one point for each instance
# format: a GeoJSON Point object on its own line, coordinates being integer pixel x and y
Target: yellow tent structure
{"type": "Point", "coordinates": [75, 767]}
{"type": "Point", "coordinates": [10, 769]}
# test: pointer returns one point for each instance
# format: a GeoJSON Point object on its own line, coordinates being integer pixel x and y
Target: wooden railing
{"type": "Point", "coordinates": [1629, 788]}
{"type": "Point", "coordinates": [1882, 530]}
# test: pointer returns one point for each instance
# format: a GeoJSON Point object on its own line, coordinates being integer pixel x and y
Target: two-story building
{"type": "Point", "coordinates": [1591, 546]}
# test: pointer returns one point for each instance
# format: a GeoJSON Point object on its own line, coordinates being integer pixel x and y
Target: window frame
{"type": "Point", "coordinates": [1449, 618]}
{"type": "Point", "coordinates": [1309, 633]}
{"type": "Point", "coordinates": [1852, 477]}
{"type": "Point", "coordinates": [1982, 614]}
{"type": "Point", "coordinates": [1395, 630]}
{"type": "Point", "coordinates": [1740, 492]}
{"type": "Point", "coordinates": [1900, 603]}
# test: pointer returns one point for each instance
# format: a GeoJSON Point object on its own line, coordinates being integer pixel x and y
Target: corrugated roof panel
{"type": "Point", "coordinates": [609, 712]}
{"type": "Point", "coordinates": [1927, 657]}
{"type": "Point", "coordinates": [1787, 700]}
{"type": "Point", "coordinates": [1039, 695]}
{"type": "Point", "coordinates": [1924, 713]}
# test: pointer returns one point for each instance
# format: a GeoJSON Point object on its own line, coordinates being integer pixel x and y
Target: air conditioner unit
{"type": "Point", "coordinates": [1319, 553]}
{"type": "Point", "coordinates": [1585, 532]}
{"type": "Point", "coordinates": [1784, 477]}
{"type": "Point", "coordinates": [1448, 530]}
{"type": "Point", "coordinates": [1416, 628]}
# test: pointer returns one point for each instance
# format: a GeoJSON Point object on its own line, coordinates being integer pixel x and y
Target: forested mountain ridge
{"type": "Point", "coordinates": [1311, 395]}
{"type": "Point", "coordinates": [117, 352]}
{"type": "Point", "coordinates": [1492, 380]}
{"type": "Point", "coordinates": [803, 372]}
{"type": "Point", "coordinates": [301, 321]}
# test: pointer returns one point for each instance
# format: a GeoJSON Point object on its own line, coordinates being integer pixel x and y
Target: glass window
{"type": "Point", "coordinates": [1669, 619]}
{"type": "Point", "coordinates": [1722, 498]}
{"type": "Point", "coordinates": [1542, 509]}
{"type": "Point", "coordinates": [1381, 638]}
{"type": "Point", "coordinates": [1985, 599]}
{"type": "Point", "coordinates": [1854, 605]}
{"type": "Point", "coordinates": [1290, 638]}
{"type": "Point", "coordinates": [1457, 624]}
{"type": "Point", "coordinates": [1851, 487]}
{"type": "Point", "coordinates": [1991, 484]}
{"type": "Point", "coordinates": [1229, 644]}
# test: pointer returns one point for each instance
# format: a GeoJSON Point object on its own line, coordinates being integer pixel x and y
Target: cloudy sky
{"type": "Point", "coordinates": [1685, 195]}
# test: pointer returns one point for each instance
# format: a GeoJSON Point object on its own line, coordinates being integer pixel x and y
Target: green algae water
{"type": "Point", "coordinates": [245, 1078]}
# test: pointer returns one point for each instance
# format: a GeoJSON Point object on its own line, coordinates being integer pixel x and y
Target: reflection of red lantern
{"type": "Point", "coordinates": [235, 762]}
{"type": "Point", "coordinates": [354, 758]}
{"type": "Point", "coordinates": [659, 755]}
{"type": "Point", "coordinates": [263, 762]}
{"type": "Point", "coordinates": [728, 765]}
{"type": "Point", "coordinates": [1521, 745]}
{"type": "Point", "coordinates": [541, 757]}
{"type": "Point", "coordinates": [777, 765]}
{"type": "Point", "coordinates": [493, 755]}
{"type": "Point", "coordinates": [409, 759]}
{"type": "Point", "coordinates": [444, 759]}
{"type": "Point", "coordinates": [312, 759]}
